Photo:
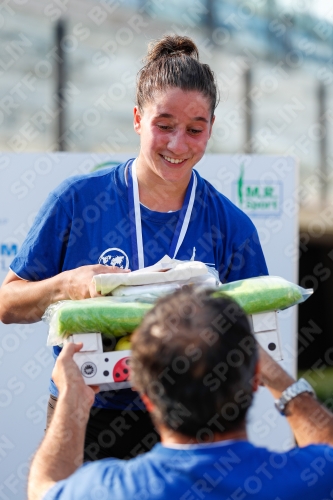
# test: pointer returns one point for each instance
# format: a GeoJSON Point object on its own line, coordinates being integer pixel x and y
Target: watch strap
{"type": "Point", "coordinates": [291, 392]}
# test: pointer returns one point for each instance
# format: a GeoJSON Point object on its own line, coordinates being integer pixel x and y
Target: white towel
{"type": "Point", "coordinates": [165, 271]}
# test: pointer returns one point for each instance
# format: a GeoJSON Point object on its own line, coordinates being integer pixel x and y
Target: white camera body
{"type": "Point", "coordinates": [110, 370]}
{"type": "Point", "coordinates": [265, 327]}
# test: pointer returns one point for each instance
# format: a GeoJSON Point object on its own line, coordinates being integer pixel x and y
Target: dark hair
{"type": "Point", "coordinates": [173, 61]}
{"type": "Point", "coordinates": [195, 356]}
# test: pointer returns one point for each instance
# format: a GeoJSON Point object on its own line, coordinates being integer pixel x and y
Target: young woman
{"type": "Point", "coordinates": [150, 206]}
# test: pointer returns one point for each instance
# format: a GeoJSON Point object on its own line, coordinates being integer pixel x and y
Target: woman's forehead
{"type": "Point", "coordinates": [175, 101]}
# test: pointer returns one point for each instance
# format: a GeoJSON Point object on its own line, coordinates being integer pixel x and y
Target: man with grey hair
{"type": "Point", "coordinates": [196, 366]}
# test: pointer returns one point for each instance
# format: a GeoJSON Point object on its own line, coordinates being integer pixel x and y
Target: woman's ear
{"type": "Point", "coordinates": [211, 125]}
{"type": "Point", "coordinates": [137, 120]}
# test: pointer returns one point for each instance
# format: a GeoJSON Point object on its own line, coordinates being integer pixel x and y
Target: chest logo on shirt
{"type": "Point", "coordinates": [114, 257]}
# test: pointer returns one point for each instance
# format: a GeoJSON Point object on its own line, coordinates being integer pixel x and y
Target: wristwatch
{"type": "Point", "coordinates": [291, 392]}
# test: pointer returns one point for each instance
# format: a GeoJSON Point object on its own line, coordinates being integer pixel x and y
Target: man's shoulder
{"type": "Point", "coordinates": [89, 477]}
{"type": "Point", "coordinates": [312, 451]}
{"type": "Point", "coordinates": [114, 478]}
{"type": "Point", "coordinates": [299, 462]}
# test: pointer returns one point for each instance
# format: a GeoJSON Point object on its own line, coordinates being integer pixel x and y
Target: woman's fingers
{"type": "Point", "coordinates": [100, 269]}
{"type": "Point", "coordinates": [78, 281]}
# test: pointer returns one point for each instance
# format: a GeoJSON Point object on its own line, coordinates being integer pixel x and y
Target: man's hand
{"type": "Point", "coordinates": [61, 451]}
{"type": "Point", "coordinates": [68, 377]}
{"type": "Point", "coordinates": [272, 375]}
{"type": "Point", "coordinates": [310, 421]}
{"type": "Point", "coordinates": [78, 282]}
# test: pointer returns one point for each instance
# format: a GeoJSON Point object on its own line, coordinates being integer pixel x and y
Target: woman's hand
{"type": "Point", "coordinates": [26, 301]}
{"type": "Point", "coordinates": [78, 282]}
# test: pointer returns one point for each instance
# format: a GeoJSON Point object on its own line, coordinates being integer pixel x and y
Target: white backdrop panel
{"type": "Point", "coordinates": [264, 186]}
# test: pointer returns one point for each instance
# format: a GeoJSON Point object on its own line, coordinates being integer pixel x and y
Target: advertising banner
{"type": "Point", "coordinates": [264, 187]}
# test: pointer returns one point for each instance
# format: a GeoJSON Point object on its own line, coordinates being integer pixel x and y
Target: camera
{"type": "Point", "coordinates": [109, 370]}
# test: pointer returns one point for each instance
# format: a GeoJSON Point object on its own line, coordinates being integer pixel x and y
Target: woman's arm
{"type": "Point", "coordinates": [26, 301]}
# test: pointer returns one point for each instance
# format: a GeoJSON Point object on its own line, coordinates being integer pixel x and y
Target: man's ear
{"type": "Point", "coordinates": [147, 402]}
{"type": "Point", "coordinates": [256, 379]}
{"type": "Point", "coordinates": [137, 120]}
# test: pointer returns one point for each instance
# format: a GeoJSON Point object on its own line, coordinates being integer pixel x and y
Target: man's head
{"type": "Point", "coordinates": [195, 358]}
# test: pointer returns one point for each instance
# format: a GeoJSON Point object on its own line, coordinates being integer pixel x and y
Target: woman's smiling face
{"type": "Point", "coordinates": [174, 128]}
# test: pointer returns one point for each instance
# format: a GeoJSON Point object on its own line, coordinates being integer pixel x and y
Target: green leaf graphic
{"type": "Point", "coordinates": [240, 184]}
{"type": "Point", "coordinates": [105, 164]}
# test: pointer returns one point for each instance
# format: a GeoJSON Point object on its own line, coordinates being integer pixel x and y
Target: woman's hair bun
{"type": "Point", "coordinates": [173, 62]}
{"type": "Point", "coordinates": [171, 45]}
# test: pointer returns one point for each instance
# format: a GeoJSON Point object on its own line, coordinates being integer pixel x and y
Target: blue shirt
{"type": "Point", "coordinates": [86, 220]}
{"type": "Point", "coordinates": [222, 471]}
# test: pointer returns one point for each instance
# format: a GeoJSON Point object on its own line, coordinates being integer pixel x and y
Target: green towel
{"type": "Point", "coordinates": [98, 315]}
{"type": "Point", "coordinates": [265, 293]}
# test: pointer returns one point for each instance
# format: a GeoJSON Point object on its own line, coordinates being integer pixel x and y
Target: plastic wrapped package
{"type": "Point", "coordinates": [122, 312]}
{"type": "Point", "coordinates": [115, 316]}
{"type": "Point", "coordinates": [165, 272]}
{"type": "Point", "coordinates": [208, 280]}
{"type": "Point", "coordinates": [264, 293]}
{"type": "Point", "coordinates": [111, 316]}
{"type": "Point", "coordinates": [147, 290]}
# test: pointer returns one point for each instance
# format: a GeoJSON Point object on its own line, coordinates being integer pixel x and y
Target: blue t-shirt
{"type": "Point", "coordinates": [86, 220]}
{"type": "Point", "coordinates": [221, 471]}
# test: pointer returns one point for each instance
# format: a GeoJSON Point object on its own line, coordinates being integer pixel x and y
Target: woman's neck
{"type": "Point", "coordinates": [158, 194]}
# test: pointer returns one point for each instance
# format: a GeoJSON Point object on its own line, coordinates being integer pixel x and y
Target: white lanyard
{"type": "Point", "coordinates": [181, 226]}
